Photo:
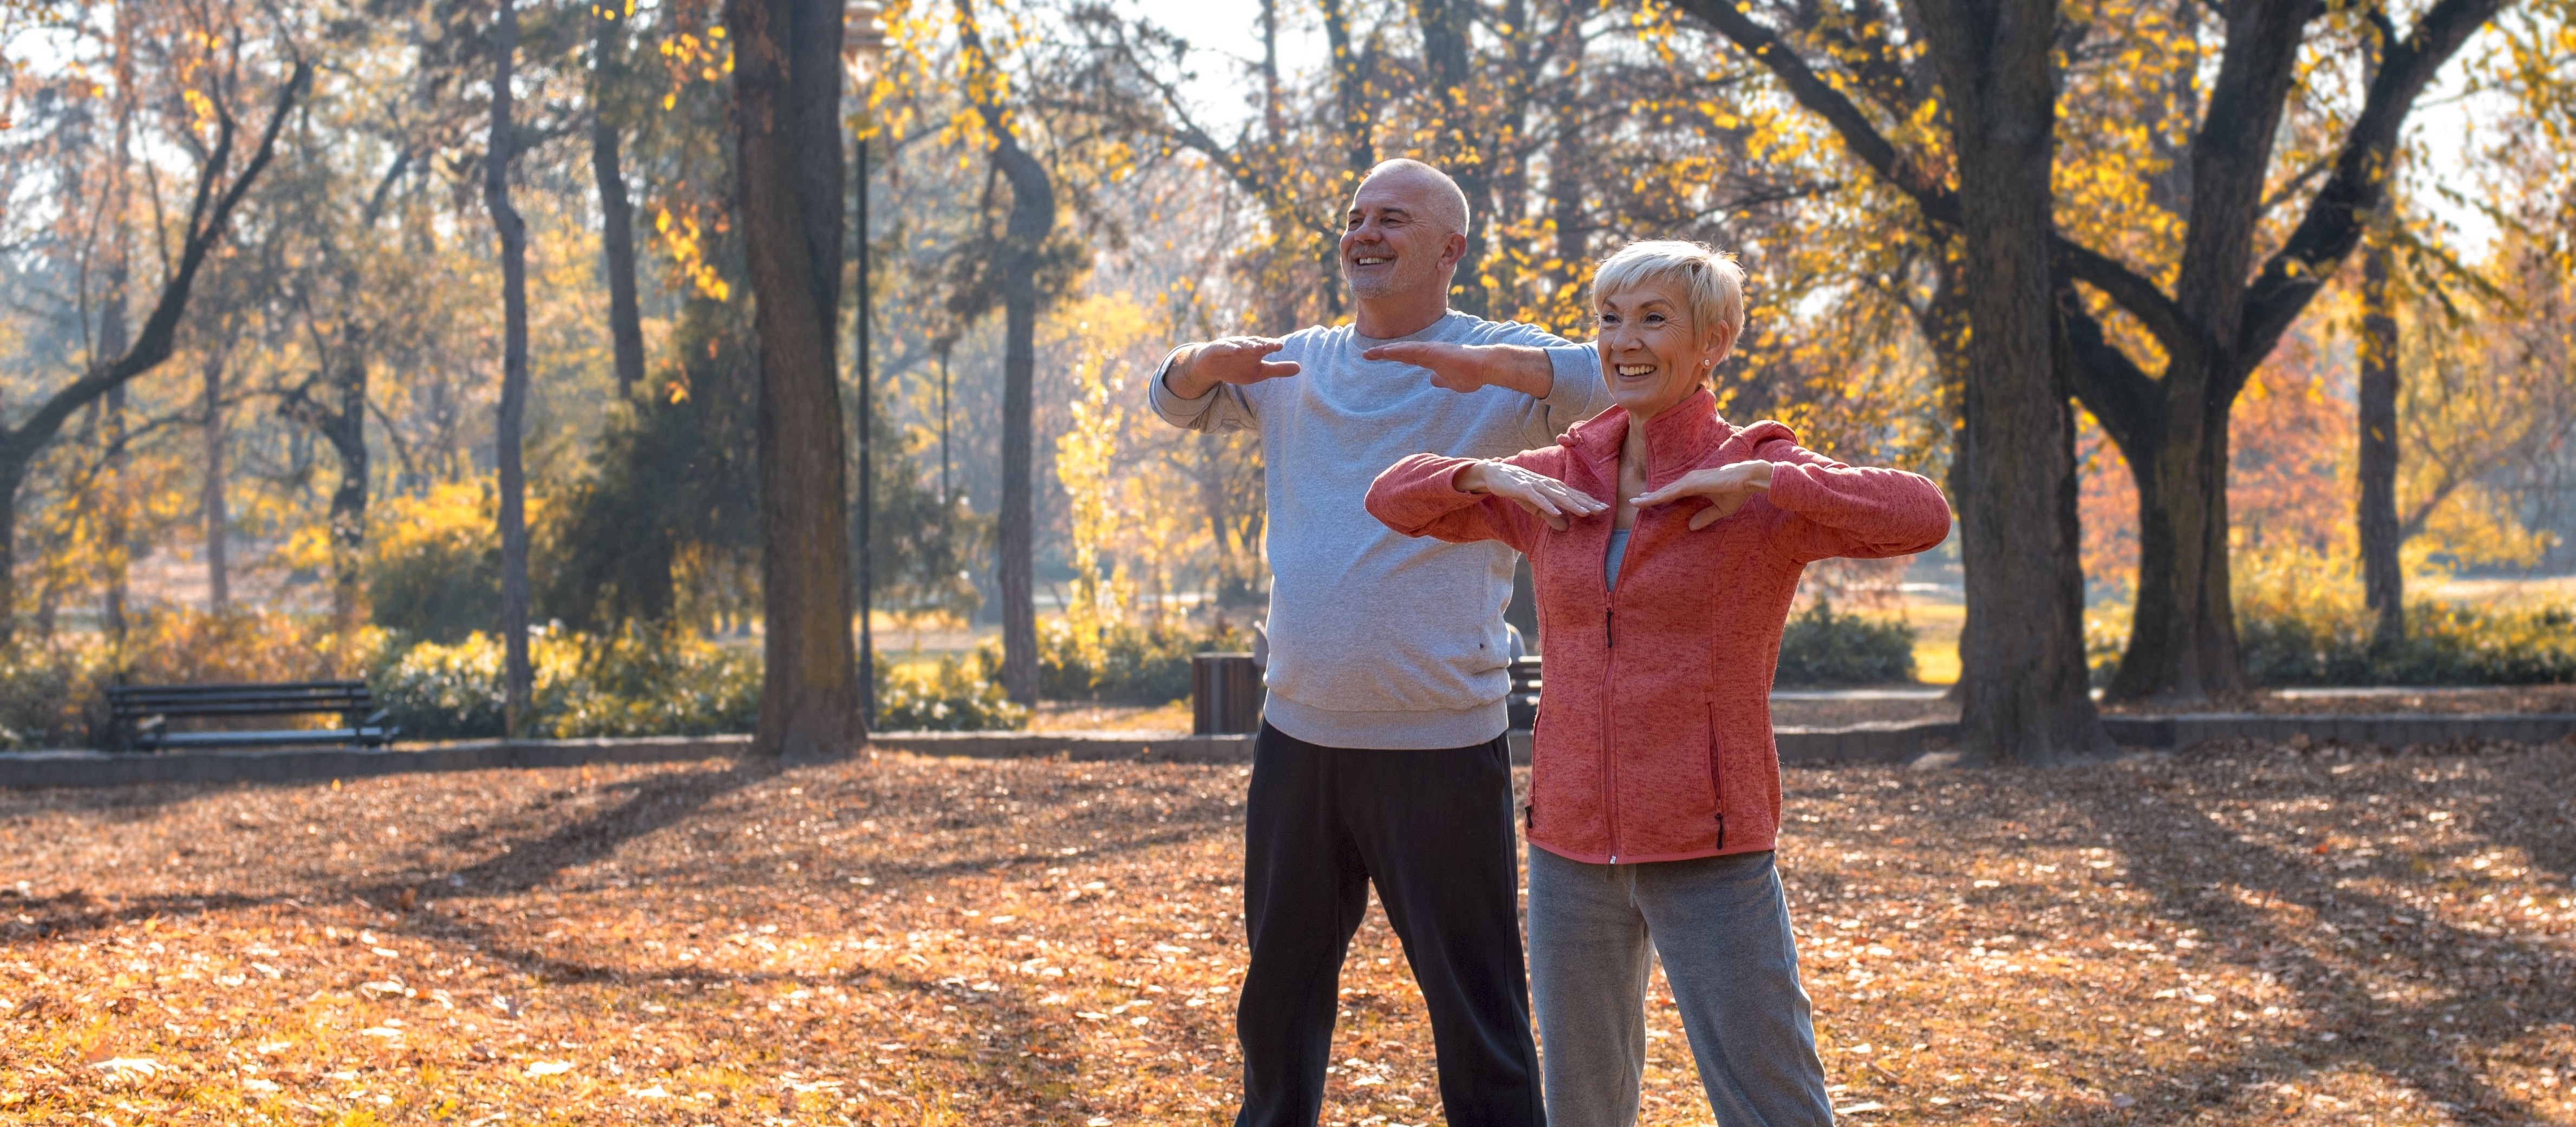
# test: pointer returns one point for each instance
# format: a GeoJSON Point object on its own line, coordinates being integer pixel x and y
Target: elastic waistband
{"type": "Point", "coordinates": [1402, 730]}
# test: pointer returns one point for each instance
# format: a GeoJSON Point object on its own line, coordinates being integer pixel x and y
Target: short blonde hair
{"type": "Point", "coordinates": [1710, 278]}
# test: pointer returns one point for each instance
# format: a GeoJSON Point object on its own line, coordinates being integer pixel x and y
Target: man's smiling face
{"type": "Point", "coordinates": [1398, 238]}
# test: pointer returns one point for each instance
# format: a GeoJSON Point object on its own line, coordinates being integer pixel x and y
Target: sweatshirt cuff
{"type": "Point", "coordinates": [1577, 368]}
{"type": "Point", "coordinates": [1794, 487]}
{"type": "Point", "coordinates": [1168, 403]}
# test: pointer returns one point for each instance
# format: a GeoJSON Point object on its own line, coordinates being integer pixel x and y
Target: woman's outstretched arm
{"type": "Point", "coordinates": [1465, 499]}
{"type": "Point", "coordinates": [1864, 511]}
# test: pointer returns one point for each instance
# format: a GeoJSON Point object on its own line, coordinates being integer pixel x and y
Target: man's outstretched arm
{"type": "Point", "coordinates": [1524, 368]}
{"type": "Point", "coordinates": [1184, 391]}
{"type": "Point", "coordinates": [1196, 369]}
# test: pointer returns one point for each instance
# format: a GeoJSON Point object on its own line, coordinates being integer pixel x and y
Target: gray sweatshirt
{"type": "Point", "coordinates": [1379, 640]}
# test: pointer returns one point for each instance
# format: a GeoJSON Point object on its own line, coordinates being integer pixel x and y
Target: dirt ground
{"type": "Point", "coordinates": [2241, 935]}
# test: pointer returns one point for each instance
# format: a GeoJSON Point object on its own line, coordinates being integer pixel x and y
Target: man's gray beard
{"type": "Point", "coordinates": [1380, 287]}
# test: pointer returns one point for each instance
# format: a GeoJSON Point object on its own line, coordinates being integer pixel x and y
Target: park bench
{"type": "Point", "coordinates": [140, 715]}
{"type": "Point", "coordinates": [1226, 694]}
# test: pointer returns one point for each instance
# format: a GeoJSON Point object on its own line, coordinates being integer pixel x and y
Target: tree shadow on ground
{"type": "Point", "coordinates": [2488, 986]}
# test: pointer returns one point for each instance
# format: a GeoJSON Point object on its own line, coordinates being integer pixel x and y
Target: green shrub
{"type": "Point", "coordinates": [641, 682]}
{"type": "Point", "coordinates": [1823, 648]}
{"type": "Point", "coordinates": [50, 694]}
{"type": "Point", "coordinates": [949, 695]}
{"type": "Point", "coordinates": [2321, 643]}
{"type": "Point", "coordinates": [1131, 664]}
{"type": "Point", "coordinates": [636, 682]}
{"type": "Point", "coordinates": [435, 691]}
{"type": "Point", "coordinates": [434, 564]}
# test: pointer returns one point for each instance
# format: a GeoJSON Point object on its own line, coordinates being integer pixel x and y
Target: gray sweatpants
{"type": "Point", "coordinates": [1721, 925]}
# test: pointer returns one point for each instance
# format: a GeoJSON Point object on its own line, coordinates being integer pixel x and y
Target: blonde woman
{"type": "Point", "coordinates": [1666, 544]}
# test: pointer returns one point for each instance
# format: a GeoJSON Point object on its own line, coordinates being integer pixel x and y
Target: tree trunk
{"type": "Point", "coordinates": [113, 530]}
{"type": "Point", "coordinates": [2182, 635]}
{"type": "Point", "coordinates": [787, 93]}
{"type": "Point", "coordinates": [347, 434]}
{"type": "Point", "coordinates": [1350, 94]}
{"type": "Point", "coordinates": [1357, 135]}
{"type": "Point", "coordinates": [1943, 321]}
{"type": "Point", "coordinates": [2022, 690]}
{"type": "Point", "coordinates": [1019, 516]}
{"type": "Point", "coordinates": [947, 499]}
{"type": "Point", "coordinates": [617, 220]}
{"type": "Point", "coordinates": [342, 423]}
{"type": "Point", "coordinates": [1274, 124]}
{"type": "Point", "coordinates": [517, 678]}
{"type": "Point", "coordinates": [1566, 164]}
{"type": "Point", "coordinates": [1445, 26]}
{"type": "Point", "coordinates": [1025, 235]}
{"type": "Point", "coordinates": [217, 518]}
{"type": "Point", "coordinates": [863, 318]}
{"type": "Point", "coordinates": [1031, 195]}
{"type": "Point", "coordinates": [13, 474]}
{"type": "Point", "coordinates": [2382, 580]}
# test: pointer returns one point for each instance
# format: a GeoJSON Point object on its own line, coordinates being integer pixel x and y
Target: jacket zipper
{"type": "Point", "coordinates": [1610, 642]}
{"type": "Point", "coordinates": [1610, 655]}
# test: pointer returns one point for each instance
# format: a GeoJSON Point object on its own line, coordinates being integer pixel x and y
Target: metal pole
{"type": "Point", "coordinates": [943, 435]}
{"type": "Point", "coordinates": [867, 469]}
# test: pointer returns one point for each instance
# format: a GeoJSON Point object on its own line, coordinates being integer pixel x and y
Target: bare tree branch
{"type": "Point", "coordinates": [1812, 91]}
{"type": "Point", "coordinates": [2333, 224]}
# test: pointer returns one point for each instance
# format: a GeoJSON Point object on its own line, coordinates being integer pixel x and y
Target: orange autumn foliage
{"type": "Point", "coordinates": [2290, 484]}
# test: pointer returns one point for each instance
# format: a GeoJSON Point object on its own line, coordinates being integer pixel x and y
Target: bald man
{"type": "Point", "coordinates": [1382, 755]}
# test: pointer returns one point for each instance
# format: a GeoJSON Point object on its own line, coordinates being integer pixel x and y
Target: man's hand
{"type": "Point", "coordinates": [1726, 488]}
{"type": "Point", "coordinates": [1467, 367]}
{"type": "Point", "coordinates": [1235, 360]}
{"type": "Point", "coordinates": [1550, 499]}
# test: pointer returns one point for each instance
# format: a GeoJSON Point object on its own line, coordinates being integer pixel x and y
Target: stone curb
{"type": "Point", "coordinates": [1084, 747]}
{"type": "Point", "coordinates": [1896, 743]}
{"type": "Point", "coordinates": [2384, 731]}
{"type": "Point", "coordinates": [29, 769]}
{"type": "Point", "coordinates": [1862, 743]}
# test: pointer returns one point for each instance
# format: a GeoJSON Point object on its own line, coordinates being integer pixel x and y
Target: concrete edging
{"type": "Point", "coordinates": [1861, 743]}
{"type": "Point", "coordinates": [1893, 743]}
{"type": "Point", "coordinates": [30, 769]}
{"type": "Point", "coordinates": [1080, 747]}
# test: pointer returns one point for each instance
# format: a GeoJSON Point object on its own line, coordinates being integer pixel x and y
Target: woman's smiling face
{"type": "Point", "coordinates": [1652, 355]}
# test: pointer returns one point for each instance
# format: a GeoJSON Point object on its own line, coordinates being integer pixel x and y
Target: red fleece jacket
{"type": "Point", "coordinates": [1654, 729]}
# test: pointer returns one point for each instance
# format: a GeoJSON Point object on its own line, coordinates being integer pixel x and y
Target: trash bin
{"type": "Point", "coordinates": [1225, 694]}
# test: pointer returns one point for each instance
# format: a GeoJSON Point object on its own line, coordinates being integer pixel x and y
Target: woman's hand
{"type": "Point", "coordinates": [1726, 488]}
{"type": "Point", "coordinates": [1551, 500]}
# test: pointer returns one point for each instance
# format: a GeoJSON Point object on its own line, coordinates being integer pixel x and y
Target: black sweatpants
{"type": "Point", "coordinates": [1434, 830]}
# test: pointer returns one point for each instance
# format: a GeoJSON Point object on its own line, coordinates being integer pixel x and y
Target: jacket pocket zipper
{"type": "Point", "coordinates": [1716, 785]}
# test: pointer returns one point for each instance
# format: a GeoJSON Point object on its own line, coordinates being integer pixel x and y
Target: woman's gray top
{"type": "Point", "coordinates": [1618, 549]}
